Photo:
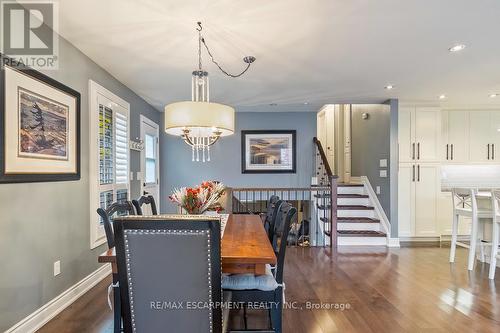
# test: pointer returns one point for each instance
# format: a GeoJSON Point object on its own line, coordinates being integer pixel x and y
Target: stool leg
{"type": "Point", "coordinates": [494, 249]}
{"type": "Point", "coordinates": [473, 244]}
{"type": "Point", "coordinates": [481, 243]}
{"type": "Point", "coordinates": [454, 232]}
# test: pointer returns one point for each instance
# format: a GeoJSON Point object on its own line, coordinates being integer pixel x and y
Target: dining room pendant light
{"type": "Point", "coordinates": [199, 122]}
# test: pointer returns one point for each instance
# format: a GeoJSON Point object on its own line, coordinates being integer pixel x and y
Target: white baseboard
{"type": "Point", "coordinates": [393, 242]}
{"type": "Point", "coordinates": [40, 317]}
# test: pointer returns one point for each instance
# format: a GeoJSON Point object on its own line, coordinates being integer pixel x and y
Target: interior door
{"type": "Point", "coordinates": [405, 135]}
{"type": "Point", "coordinates": [150, 182]}
{"type": "Point", "coordinates": [427, 134]}
{"type": "Point", "coordinates": [495, 135]}
{"type": "Point", "coordinates": [406, 199]}
{"type": "Point", "coordinates": [480, 136]}
{"type": "Point", "coordinates": [427, 187]}
{"type": "Point", "coordinates": [458, 136]}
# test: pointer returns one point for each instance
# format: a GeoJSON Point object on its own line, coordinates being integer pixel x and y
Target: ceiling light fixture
{"type": "Point", "coordinates": [199, 122]}
{"type": "Point", "coordinates": [457, 48]}
{"type": "Point", "coordinates": [442, 96]}
{"type": "Point", "coordinates": [494, 95]}
{"type": "Point", "coordinates": [389, 87]}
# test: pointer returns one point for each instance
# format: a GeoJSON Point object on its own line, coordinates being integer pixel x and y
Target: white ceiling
{"type": "Point", "coordinates": [315, 51]}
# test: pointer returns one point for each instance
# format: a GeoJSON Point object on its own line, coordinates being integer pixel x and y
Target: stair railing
{"type": "Point", "coordinates": [323, 170]}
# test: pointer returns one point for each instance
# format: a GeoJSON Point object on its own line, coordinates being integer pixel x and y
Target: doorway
{"type": "Point", "coordinates": [150, 162]}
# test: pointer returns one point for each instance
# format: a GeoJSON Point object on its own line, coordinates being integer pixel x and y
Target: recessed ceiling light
{"type": "Point", "coordinates": [389, 87]}
{"type": "Point", "coordinates": [494, 95]}
{"type": "Point", "coordinates": [442, 96]}
{"type": "Point", "coordinates": [306, 103]}
{"type": "Point", "coordinates": [457, 48]}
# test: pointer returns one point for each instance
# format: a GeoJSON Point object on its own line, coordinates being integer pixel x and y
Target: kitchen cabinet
{"type": "Point", "coordinates": [455, 136]}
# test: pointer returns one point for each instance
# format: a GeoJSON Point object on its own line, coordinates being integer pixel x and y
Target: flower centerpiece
{"type": "Point", "coordinates": [199, 199]}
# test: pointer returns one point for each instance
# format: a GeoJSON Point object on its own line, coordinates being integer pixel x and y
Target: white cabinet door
{"type": "Point", "coordinates": [495, 135]}
{"type": "Point", "coordinates": [406, 200]}
{"type": "Point", "coordinates": [427, 134]}
{"type": "Point", "coordinates": [405, 134]}
{"type": "Point", "coordinates": [458, 136]}
{"type": "Point", "coordinates": [480, 136]}
{"type": "Point", "coordinates": [427, 187]}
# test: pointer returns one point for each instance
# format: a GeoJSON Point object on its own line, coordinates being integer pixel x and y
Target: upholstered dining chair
{"type": "Point", "coordinates": [267, 288]}
{"type": "Point", "coordinates": [465, 204]}
{"type": "Point", "coordinates": [170, 273]}
{"type": "Point", "coordinates": [107, 215]}
{"type": "Point", "coordinates": [145, 200]}
{"type": "Point", "coordinates": [495, 237]}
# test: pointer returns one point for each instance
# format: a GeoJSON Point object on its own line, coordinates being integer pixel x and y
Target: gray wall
{"type": "Point", "coordinates": [45, 222]}
{"type": "Point", "coordinates": [370, 143]}
{"type": "Point", "coordinates": [178, 170]}
{"type": "Point", "coordinates": [394, 169]}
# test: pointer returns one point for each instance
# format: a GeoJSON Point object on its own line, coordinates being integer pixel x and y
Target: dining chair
{"type": "Point", "coordinates": [170, 270]}
{"type": "Point", "coordinates": [268, 288]}
{"type": "Point", "coordinates": [465, 204]}
{"type": "Point", "coordinates": [118, 208]}
{"type": "Point", "coordinates": [495, 237]}
{"type": "Point", "coordinates": [272, 221]}
{"type": "Point", "coordinates": [145, 200]}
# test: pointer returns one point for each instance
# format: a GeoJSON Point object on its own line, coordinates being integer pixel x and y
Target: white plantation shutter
{"type": "Point", "coordinates": [121, 148]}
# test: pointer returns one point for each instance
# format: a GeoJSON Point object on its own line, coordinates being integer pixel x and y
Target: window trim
{"type": "Point", "coordinates": [97, 235]}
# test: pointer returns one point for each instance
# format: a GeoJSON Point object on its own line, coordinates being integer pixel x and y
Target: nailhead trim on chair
{"type": "Point", "coordinates": [167, 232]}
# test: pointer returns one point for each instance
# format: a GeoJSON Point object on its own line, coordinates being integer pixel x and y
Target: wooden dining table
{"type": "Point", "coordinates": [245, 247]}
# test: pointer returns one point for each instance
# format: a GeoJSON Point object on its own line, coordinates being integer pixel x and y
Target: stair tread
{"type": "Point", "coordinates": [349, 185]}
{"type": "Point", "coordinates": [360, 233]}
{"type": "Point", "coordinates": [354, 207]}
{"type": "Point", "coordinates": [351, 219]}
{"type": "Point", "coordinates": [352, 196]}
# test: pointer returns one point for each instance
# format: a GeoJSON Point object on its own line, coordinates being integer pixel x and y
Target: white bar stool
{"type": "Point", "coordinates": [495, 202]}
{"type": "Point", "coordinates": [465, 204]}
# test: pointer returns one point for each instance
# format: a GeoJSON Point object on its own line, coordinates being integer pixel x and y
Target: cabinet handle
{"type": "Point", "coordinates": [418, 151]}
{"type": "Point", "coordinates": [492, 151]}
{"type": "Point", "coordinates": [488, 151]}
{"type": "Point", "coordinates": [452, 151]}
{"type": "Point", "coordinates": [413, 173]}
{"type": "Point", "coordinates": [447, 151]}
{"type": "Point", "coordinates": [418, 173]}
{"type": "Point", "coordinates": [413, 151]}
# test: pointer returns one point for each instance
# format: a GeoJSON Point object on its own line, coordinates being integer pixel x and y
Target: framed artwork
{"type": "Point", "coordinates": [40, 128]}
{"type": "Point", "coordinates": [268, 151]}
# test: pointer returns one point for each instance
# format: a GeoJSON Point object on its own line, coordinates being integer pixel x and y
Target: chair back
{"type": "Point", "coordinates": [272, 220]}
{"type": "Point", "coordinates": [118, 208]}
{"type": "Point", "coordinates": [145, 200]}
{"type": "Point", "coordinates": [464, 198]}
{"type": "Point", "coordinates": [286, 213]}
{"type": "Point", "coordinates": [495, 203]}
{"type": "Point", "coordinates": [170, 273]}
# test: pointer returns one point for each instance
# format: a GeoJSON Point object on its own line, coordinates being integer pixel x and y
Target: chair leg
{"type": "Point", "coordinates": [494, 249]}
{"type": "Point", "coordinates": [454, 233]}
{"type": "Point", "coordinates": [277, 311]}
{"type": "Point", "coordinates": [117, 309]}
{"type": "Point", "coordinates": [245, 320]}
{"type": "Point", "coordinates": [480, 232]}
{"type": "Point", "coordinates": [473, 243]}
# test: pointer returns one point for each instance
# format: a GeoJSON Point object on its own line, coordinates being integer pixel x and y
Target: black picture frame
{"type": "Point", "coordinates": [36, 177]}
{"type": "Point", "coordinates": [245, 133]}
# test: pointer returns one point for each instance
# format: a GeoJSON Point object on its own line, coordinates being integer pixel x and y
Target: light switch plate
{"type": "Point", "coordinates": [383, 163]}
{"type": "Point", "coordinates": [57, 268]}
{"type": "Point", "coordinates": [378, 189]}
{"type": "Point", "coordinates": [383, 173]}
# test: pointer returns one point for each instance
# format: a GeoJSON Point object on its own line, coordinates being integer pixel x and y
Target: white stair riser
{"type": "Point", "coordinates": [358, 226]}
{"type": "Point", "coordinates": [382, 241]}
{"type": "Point", "coordinates": [351, 190]}
{"type": "Point", "coordinates": [355, 213]}
{"type": "Point", "coordinates": [354, 201]}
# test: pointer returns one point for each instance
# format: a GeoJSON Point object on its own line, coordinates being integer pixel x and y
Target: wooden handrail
{"type": "Point", "coordinates": [328, 170]}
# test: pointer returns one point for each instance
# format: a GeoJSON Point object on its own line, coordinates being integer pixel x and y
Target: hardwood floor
{"type": "Point", "coordinates": [386, 290]}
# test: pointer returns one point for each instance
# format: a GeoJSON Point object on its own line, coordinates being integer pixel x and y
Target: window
{"type": "Point", "coordinates": [109, 155]}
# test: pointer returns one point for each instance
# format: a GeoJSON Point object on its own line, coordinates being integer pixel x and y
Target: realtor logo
{"type": "Point", "coordinates": [29, 33]}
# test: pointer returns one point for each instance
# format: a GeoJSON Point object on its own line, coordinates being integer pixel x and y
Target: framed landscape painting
{"type": "Point", "coordinates": [268, 151]}
{"type": "Point", "coordinates": [40, 128]}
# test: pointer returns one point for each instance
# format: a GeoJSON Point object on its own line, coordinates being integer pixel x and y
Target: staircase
{"type": "Point", "coordinates": [356, 219]}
